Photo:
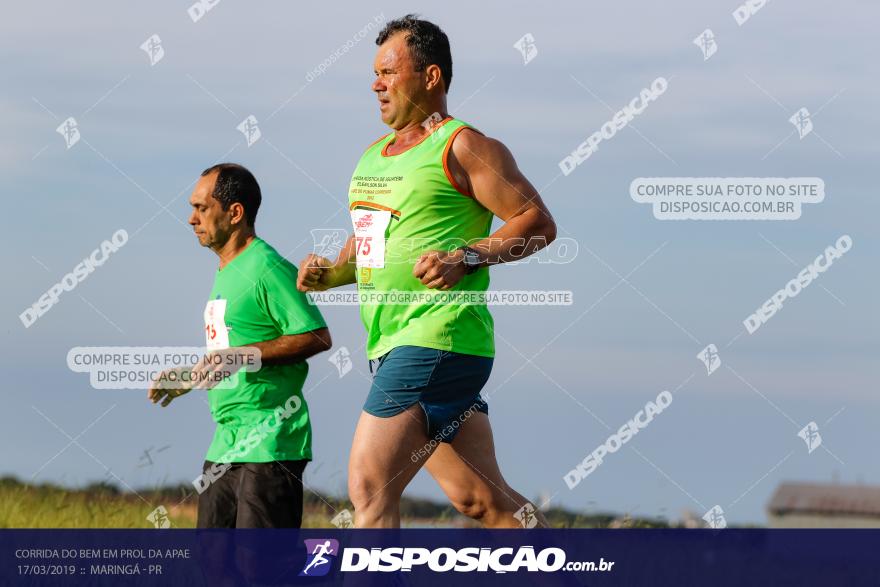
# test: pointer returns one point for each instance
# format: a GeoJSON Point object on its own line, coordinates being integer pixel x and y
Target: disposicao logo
{"type": "Point", "coordinates": [321, 552]}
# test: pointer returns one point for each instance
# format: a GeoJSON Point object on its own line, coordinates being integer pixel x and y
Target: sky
{"type": "Point", "coordinates": [648, 294]}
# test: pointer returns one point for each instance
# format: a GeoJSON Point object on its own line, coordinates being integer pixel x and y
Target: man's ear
{"type": "Point", "coordinates": [236, 211]}
{"type": "Point", "coordinates": [433, 77]}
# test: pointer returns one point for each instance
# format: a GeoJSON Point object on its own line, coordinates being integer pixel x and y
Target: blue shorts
{"type": "Point", "coordinates": [447, 385]}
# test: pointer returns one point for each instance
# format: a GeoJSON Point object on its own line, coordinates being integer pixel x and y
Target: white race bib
{"type": "Point", "coordinates": [369, 236]}
{"type": "Point", "coordinates": [216, 333]}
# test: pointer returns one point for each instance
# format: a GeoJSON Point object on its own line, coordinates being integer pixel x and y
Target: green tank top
{"type": "Point", "coordinates": [402, 206]}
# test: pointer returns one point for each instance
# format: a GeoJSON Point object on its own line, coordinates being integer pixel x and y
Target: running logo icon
{"type": "Point", "coordinates": [250, 130]}
{"type": "Point", "coordinates": [526, 46]}
{"type": "Point", "coordinates": [715, 518]}
{"type": "Point", "coordinates": [810, 435]}
{"type": "Point", "coordinates": [802, 122]}
{"type": "Point", "coordinates": [431, 124]}
{"type": "Point", "coordinates": [328, 241]}
{"type": "Point", "coordinates": [321, 553]}
{"type": "Point", "coordinates": [342, 360]}
{"type": "Point", "coordinates": [706, 43]}
{"type": "Point", "coordinates": [68, 129]}
{"type": "Point", "coordinates": [159, 518]}
{"type": "Point", "coordinates": [153, 48]}
{"type": "Point", "coordinates": [710, 358]}
{"type": "Point", "coordinates": [343, 520]}
{"type": "Point", "coordinates": [526, 516]}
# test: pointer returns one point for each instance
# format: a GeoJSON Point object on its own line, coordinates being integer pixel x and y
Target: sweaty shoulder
{"type": "Point", "coordinates": [471, 152]}
{"type": "Point", "coordinates": [471, 145]}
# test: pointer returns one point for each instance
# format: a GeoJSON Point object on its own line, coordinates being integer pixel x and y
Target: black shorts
{"type": "Point", "coordinates": [254, 495]}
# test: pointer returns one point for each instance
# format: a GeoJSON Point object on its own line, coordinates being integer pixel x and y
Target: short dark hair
{"type": "Point", "coordinates": [427, 43]}
{"type": "Point", "coordinates": [236, 184]}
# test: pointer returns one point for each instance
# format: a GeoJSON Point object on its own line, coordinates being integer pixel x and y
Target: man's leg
{"type": "Point", "coordinates": [381, 465]}
{"type": "Point", "coordinates": [217, 504]}
{"type": "Point", "coordinates": [217, 509]}
{"type": "Point", "coordinates": [468, 473]}
{"type": "Point", "coordinates": [270, 495]}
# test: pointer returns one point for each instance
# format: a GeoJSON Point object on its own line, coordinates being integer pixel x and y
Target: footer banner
{"type": "Point", "coordinates": [440, 557]}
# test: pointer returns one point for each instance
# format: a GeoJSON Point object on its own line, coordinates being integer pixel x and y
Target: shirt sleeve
{"type": "Point", "coordinates": [287, 307]}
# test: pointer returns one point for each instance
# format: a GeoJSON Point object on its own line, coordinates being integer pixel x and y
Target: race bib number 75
{"type": "Point", "coordinates": [369, 236]}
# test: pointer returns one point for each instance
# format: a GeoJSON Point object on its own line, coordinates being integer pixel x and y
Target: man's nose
{"type": "Point", "coordinates": [193, 220]}
{"type": "Point", "coordinates": [378, 85]}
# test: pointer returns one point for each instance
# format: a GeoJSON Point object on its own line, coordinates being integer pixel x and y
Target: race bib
{"type": "Point", "coordinates": [369, 236]}
{"type": "Point", "coordinates": [216, 333]}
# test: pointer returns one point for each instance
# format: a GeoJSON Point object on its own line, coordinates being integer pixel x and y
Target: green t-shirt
{"type": "Point", "coordinates": [263, 416]}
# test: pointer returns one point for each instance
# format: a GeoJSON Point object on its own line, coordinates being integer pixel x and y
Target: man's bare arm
{"type": "Point", "coordinates": [284, 350]}
{"type": "Point", "coordinates": [319, 273]}
{"type": "Point", "coordinates": [488, 171]}
{"type": "Point", "coordinates": [291, 348]}
{"type": "Point", "coordinates": [492, 176]}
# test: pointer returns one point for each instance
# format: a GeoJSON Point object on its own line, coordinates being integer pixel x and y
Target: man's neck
{"type": "Point", "coordinates": [233, 247]}
{"type": "Point", "coordinates": [416, 130]}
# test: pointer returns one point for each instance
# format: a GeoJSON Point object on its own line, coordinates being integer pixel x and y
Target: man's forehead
{"type": "Point", "coordinates": [204, 188]}
{"type": "Point", "coordinates": [393, 51]}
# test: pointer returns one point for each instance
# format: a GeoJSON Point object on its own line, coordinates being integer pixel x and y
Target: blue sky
{"type": "Point", "coordinates": [728, 438]}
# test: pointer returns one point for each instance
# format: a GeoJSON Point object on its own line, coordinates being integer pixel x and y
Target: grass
{"type": "Point", "coordinates": [95, 506]}
{"type": "Point", "coordinates": [100, 505]}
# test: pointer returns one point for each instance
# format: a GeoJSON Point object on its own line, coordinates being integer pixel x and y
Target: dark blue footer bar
{"type": "Point", "coordinates": [738, 557]}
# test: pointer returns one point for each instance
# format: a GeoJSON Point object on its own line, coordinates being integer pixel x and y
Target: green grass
{"type": "Point", "coordinates": [47, 506]}
{"type": "Point", "coordinates": [100, 505]}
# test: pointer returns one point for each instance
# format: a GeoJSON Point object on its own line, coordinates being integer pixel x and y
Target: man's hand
{"type": "Point", "coordinates": [440, 269]}
{"type": "Point", "coordinates": [315, 274]}
{"type": "Point", "coordinates": [161, 389]}
{"type": "Point", "coordinates": [219, 366]}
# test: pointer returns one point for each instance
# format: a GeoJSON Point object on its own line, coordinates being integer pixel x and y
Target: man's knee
{"type": "Point", "coordinates": [368, 492]}
{"type": "Point", "coordinates": [477, 505]}
{"type": "Point", "coordinates": [358, 490]}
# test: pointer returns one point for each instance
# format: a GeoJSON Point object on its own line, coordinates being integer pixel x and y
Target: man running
{"type": "Point", "coordinates": [319, 551]}
{"type": "Point", "coordinates": [417, 195]}
{"type": "Point", "coordinates": [252, 476]}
